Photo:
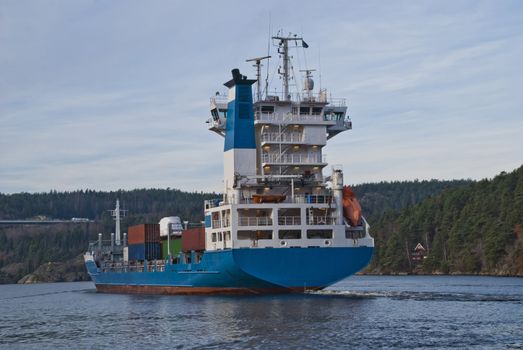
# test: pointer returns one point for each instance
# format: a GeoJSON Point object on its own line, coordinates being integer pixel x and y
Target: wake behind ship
{"type": "Point", "coordinates": [280, 226]}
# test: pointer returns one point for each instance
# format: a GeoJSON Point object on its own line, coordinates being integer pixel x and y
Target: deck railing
{"type": "Point", "coordinates": [254, 221]}
{"type": "Point", "coordinates": [289, 220]}
{"type": "Point", "coordinates": [321, 220]}
{"type": "Point", "coordinates": [281, 137]}
{"type": "Point", "coordinates": [287, 117]}
{"type": "Point", "coordinates": [313, 198]}
{"type": "Point", "coordinates": [296, 158]}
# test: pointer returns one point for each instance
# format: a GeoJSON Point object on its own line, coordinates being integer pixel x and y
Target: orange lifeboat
{"type": "Point", "coordinates": [268, 198]}
{"type": "Point", "coordinates": [351, 207]}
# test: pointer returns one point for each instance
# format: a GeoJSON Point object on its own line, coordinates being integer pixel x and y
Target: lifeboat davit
{"type": "Point", "coordinates": [351, 207]}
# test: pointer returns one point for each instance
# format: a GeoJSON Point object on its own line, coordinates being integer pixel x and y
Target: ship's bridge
{"type": "Point", "coordinates": [305, 109]}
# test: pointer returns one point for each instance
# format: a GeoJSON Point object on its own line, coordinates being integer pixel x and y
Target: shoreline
{"type": "Point", "coordinates": [20, 282]}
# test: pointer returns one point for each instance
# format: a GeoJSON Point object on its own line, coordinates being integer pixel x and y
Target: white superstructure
{"type": "Point", "coordinates": [275, 193]}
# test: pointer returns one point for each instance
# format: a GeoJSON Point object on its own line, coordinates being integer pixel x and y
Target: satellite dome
{"type": "Point", "coordinates": [171, 225]}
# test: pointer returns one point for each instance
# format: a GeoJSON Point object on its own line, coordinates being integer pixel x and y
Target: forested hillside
{"type": "Point", "coordinates": [476, 228]}
{"type": "Point", "coordinates": [150, 203]}
{"type": "Point", "coordinates": [377, 199]}
{"type": "Point", "coordinates": [24, 248]}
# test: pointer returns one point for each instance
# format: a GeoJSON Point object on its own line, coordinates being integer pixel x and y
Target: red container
{"type": "Point", "coordinates": [144, 233]}
{"type": "Point", "coordinates": [193, 239]}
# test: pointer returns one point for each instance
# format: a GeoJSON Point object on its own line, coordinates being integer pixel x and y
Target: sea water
{"type": "Point", "coordinates": [361, 312]}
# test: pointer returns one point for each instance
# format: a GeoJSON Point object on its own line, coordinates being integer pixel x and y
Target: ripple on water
{"type": "Point", "coordinates": [421, 296]}
{"type": "Point", "coordinates": [361, 312]}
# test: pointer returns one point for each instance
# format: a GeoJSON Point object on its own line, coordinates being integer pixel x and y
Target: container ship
{"type": "Point", "coordinates": [281, 225]}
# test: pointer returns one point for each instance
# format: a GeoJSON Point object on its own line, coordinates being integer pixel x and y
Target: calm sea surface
{"type": "Point", "coordinates": [359, 312]}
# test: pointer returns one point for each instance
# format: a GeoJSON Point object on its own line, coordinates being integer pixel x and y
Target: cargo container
{"type": "Point", "coordinates": [193, 239]}
{"type": "Point", "coordinates": [176, 246]}
{"type": "Point", "coordinates": [145, 251]}
{"type": "Point", "coordinates": [144, 233]}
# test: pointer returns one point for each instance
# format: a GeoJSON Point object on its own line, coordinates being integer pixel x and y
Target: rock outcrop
{"type": "Point", "coordinates": [67, 271]}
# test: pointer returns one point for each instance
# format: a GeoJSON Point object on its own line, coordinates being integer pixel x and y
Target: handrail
{"type": "Point", "coordinates": [216, 224]}
{"type": "Point", "coordinates": [321, 220]}
{"type": "Point", "coordinates": [321, 97]}
{"type": "Point", "coordinates": [289, 220]}
{"type": "Point", "coordinates": [314, 198]}
{"type": "Point", "coordinates": [280, 137]}
{"type": "Point", "coordinates": [254, 221]}
{"type": "Point", "coordinates": [293, 158]}
{"type": "Point", "coordinates": [287, 117]}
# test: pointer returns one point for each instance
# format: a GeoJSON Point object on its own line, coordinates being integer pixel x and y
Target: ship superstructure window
{"type": "Point", "coordinates": [289, 216]}
{"type": "Point", "coordinates": [226, 218]}
{"type": "Point", "coordinates": [213, 237]}
{"type": "Point", "coordinates": [319, 216]}
{"type": "Point", "coordinates": [255, 217]}
{"type": "Point", "coordinates": [333, 116]}
{"type": "Point", "coordinates": [317, 110]}
{"type": "Point", "coordinates": [267, 109]}
{"type": "Point", "coordinates": [289, 234]}
{"type": "Point", "coordinates": [254, 235]}
{"type": "Point", "coordinates": [304, 110]}
{"type": "Point", "coordinates": [319, 234]}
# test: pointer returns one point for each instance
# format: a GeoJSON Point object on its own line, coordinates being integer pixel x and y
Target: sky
{"type": "Point", "coordinates": [109, 95]}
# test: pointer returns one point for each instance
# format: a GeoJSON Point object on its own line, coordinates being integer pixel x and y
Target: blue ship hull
{"type": "Point", "coordinates": [241, 271]}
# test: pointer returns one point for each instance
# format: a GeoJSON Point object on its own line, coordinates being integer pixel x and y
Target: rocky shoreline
{"type": "Point", "coordinates": [73, 270]}
{"type": "Point", "coordinates": [67, 271]}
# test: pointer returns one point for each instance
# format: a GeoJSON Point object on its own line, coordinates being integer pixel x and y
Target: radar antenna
{"type": "Point", "coordinates": [283, 49]}
{"type": "Point", "coordinates": [258, 74]}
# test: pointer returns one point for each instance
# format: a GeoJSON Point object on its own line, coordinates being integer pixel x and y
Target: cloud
{"type": "Point", "coordinates": [104, 96]}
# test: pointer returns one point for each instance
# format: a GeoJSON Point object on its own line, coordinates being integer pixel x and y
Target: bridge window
{"type": "Point", "coordinates": [304, 110]}
{"type": "Point", "coordinates": [316, 110]}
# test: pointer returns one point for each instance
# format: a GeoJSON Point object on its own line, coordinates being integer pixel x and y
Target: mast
{"type": "Point", "coordinates": [258, 74]}
{"type": "Point", "coordinates": [283, 49]}
{"type": "Point", "coordinates": [117, 213]}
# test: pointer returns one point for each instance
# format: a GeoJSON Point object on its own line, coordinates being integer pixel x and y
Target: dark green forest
{"type": "Point", "coordinates": [24, 248]}
{"type": "Point", "coordinates": [401, 214]}
{"type": "Point", "coordinates": [472, 229]}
